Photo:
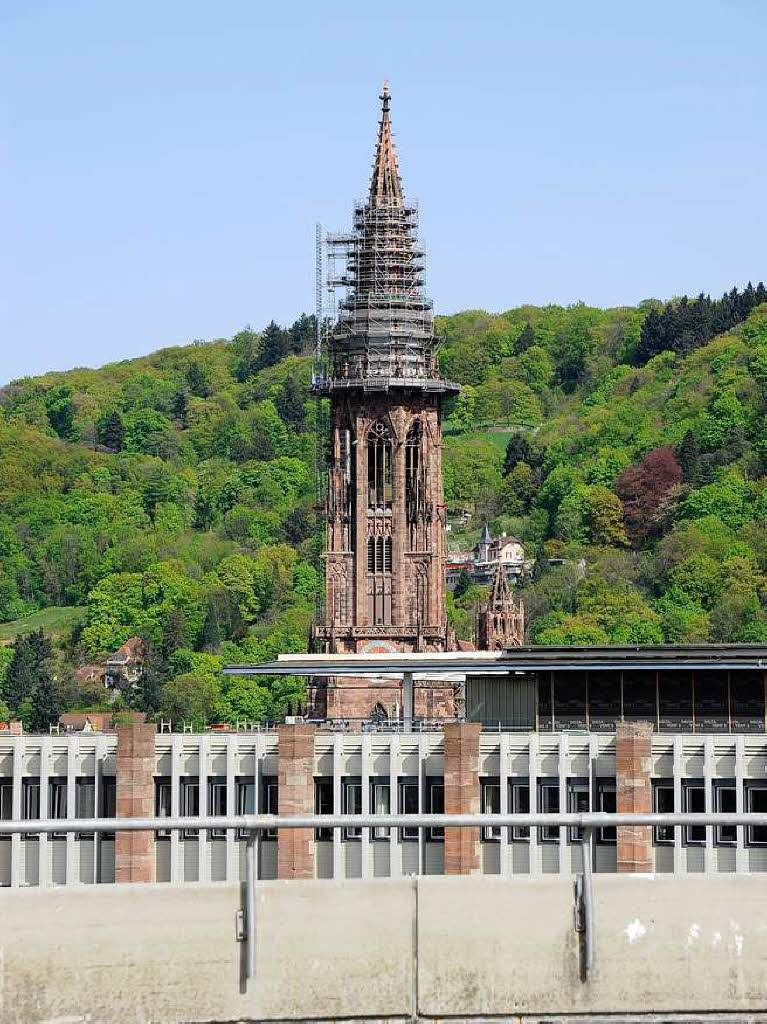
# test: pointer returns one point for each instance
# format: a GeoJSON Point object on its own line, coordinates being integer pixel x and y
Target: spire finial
{"type": "Point", "coordinates": [385, 186]}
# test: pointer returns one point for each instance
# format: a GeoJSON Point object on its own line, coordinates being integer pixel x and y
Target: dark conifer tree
{"type": "Point", "coordinates": [273, 347]}
{"type": "Point", "coordinates": [47, 705]}
{"type": "Point", "coordinates": [517, 450]}
{"type": "Point", "coordinates": [197, 381]}
{"type": "Point", "coordinates": [174, 635]}
{"type": "Point", "coordinates": [111, 432]}
{"type": "Point", "coordinates": [153, 675]}
{"type": "Point", "coordinates": [526, 339]}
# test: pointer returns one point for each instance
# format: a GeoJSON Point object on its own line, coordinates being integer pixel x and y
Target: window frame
{"type": "Point", "coordinates": [405, 784]}
{"type": "Point", "coordinates": [547, 785]}
{"type": "Point", "coordinates": [577, 785]}
{"type": "Point", "coordinates": [606, 787]}
{"type": "Point", "coordinates": [720, 786]}
{"type": "Point", "coordinates": [6, 802]}
{"type": "Point", "coordinates": [30, 793]}
{"type": "Point", "coordinates": [490, 793]}
{"type": "Point", "coordinates": [351, 793]}
{"type": "Point", "coordinates": [163, 794]}
{"type": "Point", "coordinates": [322, 785]}
{"type": "Point", "coordinates": [217, 785]}
{"type": "Point", "coordinates": [270, 802]}
{"type": "Point", "coordinates": [244, 787]}
{"type": "Point", "coordinates": [380, 833]}
{"type": "Point", "coordinates": [189, 795]}
{"type": "Point", "coordinates": [108, 805]}
{"type": "Point", "coordinates": [753, 786]}
{"type": "Point", "coordinates": [690, 786]}
{"type": "Point", "coordinates": [81, 782]}
{"type": "Point", "coordinates": [662, 835]}
{"type": "Point", "coordinates": [519, 833]}
{"type": "Point", "coordinates": [57, 785]}
{"type": "Point", "coordinates": [436, 805]}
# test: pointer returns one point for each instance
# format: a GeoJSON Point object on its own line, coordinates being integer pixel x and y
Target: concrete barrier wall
{"type": "Point", "coordinates": [325, 949]}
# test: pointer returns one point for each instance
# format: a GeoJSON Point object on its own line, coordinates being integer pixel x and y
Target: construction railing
{"type": "Point", "coordinates": [253, 825]}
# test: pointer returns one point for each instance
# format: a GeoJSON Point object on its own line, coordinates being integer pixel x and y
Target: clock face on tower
{"type": "Point", "coordinates": [379, 647]}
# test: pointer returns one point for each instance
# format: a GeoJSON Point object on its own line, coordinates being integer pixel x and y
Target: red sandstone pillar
{"type": "Point", "coordinates": [134, 851]}
{"type": "Point", "coordinates": [295, 846]}
{"type": "Point", "coordinates": [633, 794]}
{"type": "Point", "coordinates": [462, 796]}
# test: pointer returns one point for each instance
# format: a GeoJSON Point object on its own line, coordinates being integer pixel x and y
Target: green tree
{"type": "Point", "coordinates": [190, 698]}
{"type": "Point", "coordinates": [60, 410]}
{"type": "Point", "coordinates": [463, 584]}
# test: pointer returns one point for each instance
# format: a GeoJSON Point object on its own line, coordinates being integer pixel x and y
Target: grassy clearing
{"type": "Point", "coordinates": [54, 621]}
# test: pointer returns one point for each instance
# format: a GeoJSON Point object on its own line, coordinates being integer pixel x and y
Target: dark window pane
{"type": "Point", "coordinates": [725, 802]}
{"type": "Point", "coordinates": [569, 700]}
{"type": "Point", "coordinates": [675, 692]}
{"type": "Point", "coordinates": [711, 709]}
{"type": "Point", "coordinates": [757, 804]}
{"type": "Point", "coordinates": [604, 700]}
{"type": "Point", "coordinates": [747, 699]}
{"type": "Point", "coordinates": [663, 803]}
{"type": "Point", "coordinates": [639, 697]}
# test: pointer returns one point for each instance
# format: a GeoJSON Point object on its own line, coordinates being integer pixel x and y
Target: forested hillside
{"type": "Point", "coordinates": [171, 496]}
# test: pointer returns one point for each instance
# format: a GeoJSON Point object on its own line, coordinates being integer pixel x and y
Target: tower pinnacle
{"type": "Point", "coordinates": [385, 185]}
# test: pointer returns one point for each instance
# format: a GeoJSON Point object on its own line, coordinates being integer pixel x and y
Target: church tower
{"type": "Point", "coordinates": [385, 513]}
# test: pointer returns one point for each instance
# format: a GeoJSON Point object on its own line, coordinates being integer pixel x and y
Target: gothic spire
{"type": "Point", "coordinates": [385, 185]}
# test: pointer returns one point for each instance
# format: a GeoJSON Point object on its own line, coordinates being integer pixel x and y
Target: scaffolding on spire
{"type": "Point", "coordinates": [383, 331]}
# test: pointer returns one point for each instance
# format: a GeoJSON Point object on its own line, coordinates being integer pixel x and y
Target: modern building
{"type": "Point", "coordinates": [663, 729]}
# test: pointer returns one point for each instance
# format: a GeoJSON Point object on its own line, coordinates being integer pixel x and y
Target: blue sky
{"type": "Point", "coordinates": [163, 163]}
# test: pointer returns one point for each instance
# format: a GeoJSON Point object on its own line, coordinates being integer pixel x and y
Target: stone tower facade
{"type": "Point", "coordinates": [385, 513]}
{"type": "Point", "coordinates": [500, 622]}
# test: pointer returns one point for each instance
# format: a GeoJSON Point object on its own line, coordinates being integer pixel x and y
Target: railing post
{"type": "Point", "coordinates": [250, 905]}
{"type": "Point", "coordinates": [588, 903]}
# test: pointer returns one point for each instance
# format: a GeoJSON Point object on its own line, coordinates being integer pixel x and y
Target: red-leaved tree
{"type": "Point", "coordinates": [642, 489]}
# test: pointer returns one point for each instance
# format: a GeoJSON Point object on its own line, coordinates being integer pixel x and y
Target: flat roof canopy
{"type": "Point", "coordinates": [516, 659]}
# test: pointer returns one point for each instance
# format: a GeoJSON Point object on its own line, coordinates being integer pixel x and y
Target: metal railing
{"type": "Point", "coordinates": [254, 824]}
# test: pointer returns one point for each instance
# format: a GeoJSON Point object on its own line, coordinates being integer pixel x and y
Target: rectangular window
{"type": "Point", "coordinates": [520, 804]}
{"type": "Point", "coordinates": [57, 802]}
{"type": "Point", "coordinates": [245, 793]}
{"type": "Point", "coordinates": [217, 804]}
{"type": "Point", "coordinates": [380, 803]}
{"type": "Point", "coordinates": [162, 803]}
{"type": "Point", "coordinates": [6, 802]}
{"type": "Point", "coordinates": [108, 805]}
{"type": "Point", "coordinates": [408, 804]}
{"type": "Point", "coordinates": [269, 802]}
{"type": "Point", "coordinates": [30, 801]}
{"type": "Point", "coordinates": [577, 803]}
{"type": "Point", "coordinates": [85, 800]}
{"type": "Point", "coordinates": [607, 805]}
{"type": "Point", "coordinates": [663, 803]}
{"type": "Point", "coordinates": [490, 803]}
{"type": "Point", "coordinates": [694, 802]}
{"type": "Point", "coordinates": [548, 803]}
{"type": "Point", "coordinates": [756, 803]}
{"type": "Point", "coordinates": [190, 803]}
{"type": "Point", "coordinates": [725, 802]}
{"type": "Point", "coordinates": [351, 801]}
{"type": "Point", "coordinates": [435, 795]}
{"type": "Point", "coordinates": [323, 804]}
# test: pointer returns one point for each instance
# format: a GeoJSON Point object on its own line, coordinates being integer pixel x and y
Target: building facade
{"type": "Point", "coordinates": [300, 770]}
{"type": "Point", "coordinates": [385, 512]}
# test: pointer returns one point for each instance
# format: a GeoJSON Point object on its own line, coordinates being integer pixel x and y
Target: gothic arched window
{"type": "Point", "coordinates": [379, 466]}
